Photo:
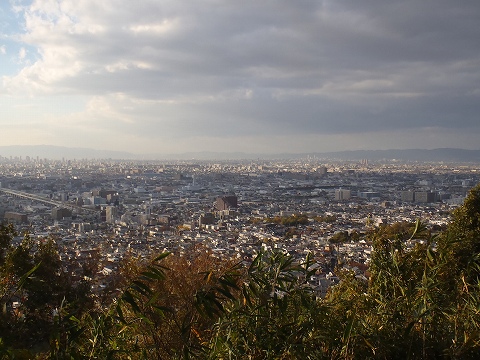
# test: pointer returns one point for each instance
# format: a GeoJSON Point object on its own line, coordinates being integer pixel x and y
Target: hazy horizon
{"type": "Point", "coordinates": [252, 77]}
{"type": "Point", "coordinates": [455, 155]}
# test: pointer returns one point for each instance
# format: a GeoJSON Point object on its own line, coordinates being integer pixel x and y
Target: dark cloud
{"type": "Point", "coordinates": [274, 67]}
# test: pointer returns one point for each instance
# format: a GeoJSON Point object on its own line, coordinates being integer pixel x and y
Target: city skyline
{"type": "Point", "coordinates": [270, 77]}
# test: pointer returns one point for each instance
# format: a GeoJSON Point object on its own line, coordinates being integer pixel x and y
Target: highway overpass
{"type": "Point", "coordinates": [46, 200]}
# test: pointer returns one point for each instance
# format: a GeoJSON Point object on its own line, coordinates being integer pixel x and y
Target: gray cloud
{"type": "Point", "coordinates": [220, 68]}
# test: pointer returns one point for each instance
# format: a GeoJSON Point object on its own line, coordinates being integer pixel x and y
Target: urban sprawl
{"type": "Point", "coordinates": [110, 209]}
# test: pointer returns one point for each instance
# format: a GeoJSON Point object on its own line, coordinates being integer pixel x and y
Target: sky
{"type": "Point", "coordinates": [270, 76]}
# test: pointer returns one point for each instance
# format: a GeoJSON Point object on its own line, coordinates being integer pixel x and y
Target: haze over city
{"type": "Point", "coordinates": [267, 77]}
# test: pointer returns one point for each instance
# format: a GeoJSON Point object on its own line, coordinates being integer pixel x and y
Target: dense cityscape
{"type": "Point", "coordinates": [107, 209]}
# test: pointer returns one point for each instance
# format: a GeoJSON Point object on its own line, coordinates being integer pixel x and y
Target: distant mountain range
{"type": "Point", "coordinates": [421, 155]}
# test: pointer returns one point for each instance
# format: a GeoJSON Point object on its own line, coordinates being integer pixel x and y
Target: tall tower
{"type": "Point", "coordinates": [111, 214]}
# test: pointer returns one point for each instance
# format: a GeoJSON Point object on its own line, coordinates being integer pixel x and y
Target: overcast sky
{"type": "Point", "coordinates": [170, 76]}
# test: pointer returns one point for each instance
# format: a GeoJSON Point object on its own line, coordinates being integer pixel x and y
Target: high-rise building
{"type": "Point", "coordinates": [424, 196]}
{"type": "Point", "coordinates": [342, 194]}
{"type": "Point", "coordinates": [369, 194]}
{"type": "Point", "coordinates": [226, 202]}
{"type": "Point", "coordinates": [321, 171]}
{"type": "Point", "coordinates": [111, 214]}
{"type": "Point", "coordinates": [61, 213]}
{"type": "Point", "coordinates": [407, 196]}
{"type": "Point", "coordinates": [206, 219]}
{"type": "Point", "coordinates": [15, 217]}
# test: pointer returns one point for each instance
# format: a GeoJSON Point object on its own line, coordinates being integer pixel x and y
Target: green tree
{"type": "Point", "coordinates": [277, 316]}
{"type": "Point", "coordinates": [7, 232]}
{"type": "Point", "coordinates": [459, 269]}
{"type": "Point", "coordinates": [33, 277]}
